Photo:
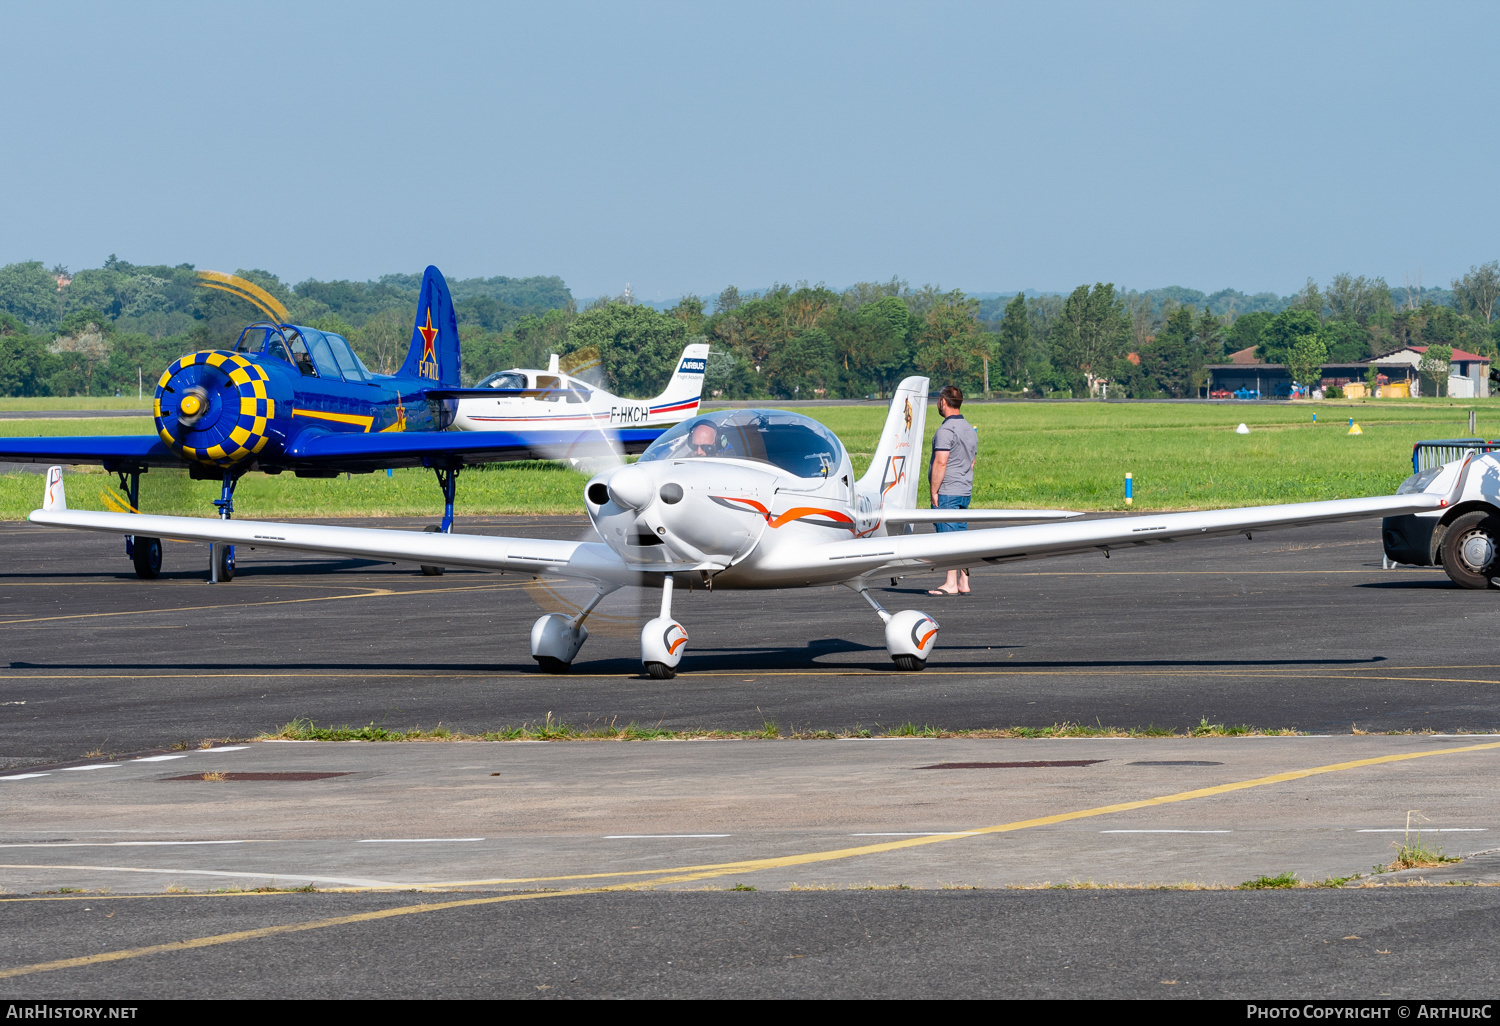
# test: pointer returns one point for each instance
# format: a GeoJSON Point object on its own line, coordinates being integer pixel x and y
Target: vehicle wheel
{"type": "Point", "coordinates": [549, 664]}
{"type": "Point", "coordinates": [909, 662]}
{"type": "Point", "coordinates": [224, 557]}
{"type": "Point", "coordinates": [147, 555]}
{"type": "Point", "coordinates": [1470, 548]}
{"type": "Point", "coordinates": [437, 571]}
{"type": "Point", "coordinates": [660, 671]}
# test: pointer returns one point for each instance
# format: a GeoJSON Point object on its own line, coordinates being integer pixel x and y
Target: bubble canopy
{"type": "Point", "coordinates": [798, 445]}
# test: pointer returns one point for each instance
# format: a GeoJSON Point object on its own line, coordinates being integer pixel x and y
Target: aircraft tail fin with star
{"type": "Point", "coordinates": [434, 353]}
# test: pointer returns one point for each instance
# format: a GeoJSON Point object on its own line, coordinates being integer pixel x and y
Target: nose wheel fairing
{"type": "Point", "coordinates": [663, 639]}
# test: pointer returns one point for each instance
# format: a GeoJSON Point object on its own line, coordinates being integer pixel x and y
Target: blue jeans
{"type": "Point", "coordinates": [953, 502]}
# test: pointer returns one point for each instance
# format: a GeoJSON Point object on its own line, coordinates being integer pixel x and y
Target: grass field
{"type": "Point", "coordinates": [62, 402]}
{"type": "Point", "coordinates": [1072, 455]}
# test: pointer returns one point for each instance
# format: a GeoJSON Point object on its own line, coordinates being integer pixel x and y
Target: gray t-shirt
{"type": "Point", "coordinates": [960, 441]}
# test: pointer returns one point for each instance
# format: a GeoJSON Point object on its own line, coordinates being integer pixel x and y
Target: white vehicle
{"type": "Point", "coordinates": [754, 499]}
{"type": "Point", "coordinates": [572, 412]}
{"type": "Point", "coordinates": [1464, 536]}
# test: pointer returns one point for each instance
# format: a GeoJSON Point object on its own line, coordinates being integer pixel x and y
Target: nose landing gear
{"type": "Point", "coordinates": [910, 635]}
{"type": "Point", "coordinates": [663, 639]}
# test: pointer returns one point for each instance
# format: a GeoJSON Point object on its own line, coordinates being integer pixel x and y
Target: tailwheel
{"type": "Point", "coordinates": [146, 552]}
{"type": "Point", "coordinates": [909, 662]}
{"type": "Point", "coordinates": [660, 671]}
{"type": "Point", "coordinates": [1471, 550]}
{"type": "Point", "coordinates": [437, 571]}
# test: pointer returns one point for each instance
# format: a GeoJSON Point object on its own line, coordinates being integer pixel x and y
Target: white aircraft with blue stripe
{"type": "Point", "coordinates": [539, 401]}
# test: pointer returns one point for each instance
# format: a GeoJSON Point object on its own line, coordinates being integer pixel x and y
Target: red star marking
{"type": "Point", "coordinates": [429, 334]}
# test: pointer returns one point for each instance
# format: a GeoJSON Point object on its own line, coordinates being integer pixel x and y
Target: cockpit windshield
{"type": "Point", "coordinates": [797, 444]}
{"type": "Point", "coordinates": [504, 379]}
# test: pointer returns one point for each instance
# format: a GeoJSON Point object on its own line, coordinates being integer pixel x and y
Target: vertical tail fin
{"type": "Point", "coordinates": [53, 497]}
{"type": "Point", "coordinates": [896, 468]}
{"type": "Point", "coordinates": [434, 353]}
{"type": "Point", "coordinates": [680, 399]}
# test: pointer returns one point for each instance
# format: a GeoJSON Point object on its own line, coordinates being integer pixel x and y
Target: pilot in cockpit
{"type": "Point", "coordinates": [703, 440]}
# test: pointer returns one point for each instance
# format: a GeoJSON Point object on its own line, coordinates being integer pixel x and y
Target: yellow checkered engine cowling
{"type": "Point", "coordinates": [233, 429]}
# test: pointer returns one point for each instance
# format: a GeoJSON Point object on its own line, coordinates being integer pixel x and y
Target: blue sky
{"type": "Point", "coordinates": [684, 147]}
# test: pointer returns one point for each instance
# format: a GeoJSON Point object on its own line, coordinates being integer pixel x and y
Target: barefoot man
{"type": "Point", "coordinates": [954, 447]}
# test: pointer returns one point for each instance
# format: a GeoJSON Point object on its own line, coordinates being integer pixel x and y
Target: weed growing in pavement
{"type": "Point", "coordinates": [1291, 881]}
{"type": "Point", "coordinates": [1414, 853]}
{"type": "Point", "coordinates": [97, 753]}
{"type": "Point", "coordinates": [910, 729]}
{"type": "Point", "coordinates": [743, 887]}
{"type": "Point", "coordinates": [303, 729]}
{"type": "Point", "coordinates": [214, 777]}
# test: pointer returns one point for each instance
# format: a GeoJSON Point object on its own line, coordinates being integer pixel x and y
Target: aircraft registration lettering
{"type": "Point", "coordinates": [628, 414]}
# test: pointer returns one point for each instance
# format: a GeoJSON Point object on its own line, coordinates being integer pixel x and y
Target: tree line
{"type": "Point", "coordinates": [98, 331]}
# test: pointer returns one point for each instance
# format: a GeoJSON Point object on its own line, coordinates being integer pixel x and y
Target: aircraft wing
{"type": "Point", "coordinates": [877, 556]}
{"type": "Point", "coordinates": [109, 450]}
{"type": "Point", "coordinates": [589, 560]}
{"type": "Point", "coordinates": [507, 393]}
{"type": "Point", "coordinates": [340, 450]}
{"type": "Point", "coordinates": [960, 516]}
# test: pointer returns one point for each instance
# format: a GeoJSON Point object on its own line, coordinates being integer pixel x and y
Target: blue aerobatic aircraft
{"type": "Point", "coordinates": [293, 398]}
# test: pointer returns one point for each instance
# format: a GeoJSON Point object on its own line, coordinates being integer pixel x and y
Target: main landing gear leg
{"type": "Point", "coordinates": [663, 639]}
{"type": "Point", "coordinates": [448, 481]}
{"type": "Point", "coordinates": [910, 636]}
{"type": "Point", "coordinates": [145, 553]}
{"type": "Point", "coordinates": [221, 554]}
{"type": "Point", "coordinates": [556, 638]}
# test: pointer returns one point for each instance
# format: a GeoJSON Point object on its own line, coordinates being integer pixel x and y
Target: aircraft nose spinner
{"type": "Point", "coordinates": [217, 408]}
{"type": "Point", "coordinates": [631, 487]}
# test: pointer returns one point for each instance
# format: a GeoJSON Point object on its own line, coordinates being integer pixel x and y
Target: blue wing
{"type": "Point", "coordinates": [338, 450]}
{"type": "Point", "coordinates": [112, 451]}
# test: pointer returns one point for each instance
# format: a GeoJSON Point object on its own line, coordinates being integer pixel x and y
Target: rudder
{"type": "Point", "coordinates": [896, 468]}
{"type": "Point", "coordinates": [434, 353]}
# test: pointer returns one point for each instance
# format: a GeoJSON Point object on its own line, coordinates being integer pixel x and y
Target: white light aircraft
{"type": "Point", "coordinates": [755, 499]}
{"type": "Point", "coordinates": [554, 401]}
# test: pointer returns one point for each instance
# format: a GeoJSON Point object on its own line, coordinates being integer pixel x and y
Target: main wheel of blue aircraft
{"type": "Point", "coordinates": [547, 664]}
{"type": "Point", "coordinates": [224, 560]}
{"type": "Point", "coordinates": [147, 555]}
{"type": "Point", "coordinates": [660, 671]}
{"type": "Point", "coordinates": [432, 571]}
{"type": "Point", "coordinates": [909, 662]}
